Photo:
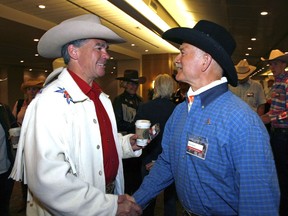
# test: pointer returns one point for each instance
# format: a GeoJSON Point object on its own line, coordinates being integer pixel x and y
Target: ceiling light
{"type": "Point", "coordinates": [146, 11]}
{"type": "Point", "coordinates": [247, 54]}
{"type": "Point", "coordinates": [41, 6]}
{"type": "Point", "coordinates": [21, 61]}
{"type": "Point", "coordinates": [133, 45]}
{"type": "Point", "coordinates": [253, 39]}
{"type": "Point", "coordinates": [36, 54]}
{"type": "Point", "coordinates": [249, 48]}
{"type": "Point", "coordinates": [264, 13]}
{"type": "Point", "coordinates": [36, 39]}
{"type": "Point", "coordinates": [146, 50]}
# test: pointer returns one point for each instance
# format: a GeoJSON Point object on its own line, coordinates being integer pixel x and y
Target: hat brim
{"type": "Point", "coordinates": [204, 42]}
{"type": "Point", "coordinates": [31, 84]}
{"type": "Point", "coordinates": [242, 76]}
{"type": "Point", "coordinates": [140, 80]}
{"type": "Point", "coordinates": [51, 42]}
{"type": "Point", "coordinates": [283, 58]}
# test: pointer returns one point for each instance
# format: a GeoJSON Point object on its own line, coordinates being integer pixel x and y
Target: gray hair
{"type": "Point", "coordinates": [164, 86]}
{"type": "Point", "coordinates": [64, 50]}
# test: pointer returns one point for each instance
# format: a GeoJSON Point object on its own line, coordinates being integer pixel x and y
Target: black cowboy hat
{"type": "Point", "coordinates": [211, 38]}
{"type": "Point", "coordinates": [132, 76]}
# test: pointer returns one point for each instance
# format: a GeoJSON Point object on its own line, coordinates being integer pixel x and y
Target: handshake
{"type": "Point", "coordinates": [127, 206]}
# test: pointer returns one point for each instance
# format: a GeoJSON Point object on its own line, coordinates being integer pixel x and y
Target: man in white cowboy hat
{"type": "Point", "coordinates": [125, 107]}
{"type": "Point", "coordinates": [278, 118]}
{"type": "Point", "coordinates": [247, 89]}
{"type": "Point", "coordinates": [69, 142]}
{"type": "Point", "coordinates": [215, 147]}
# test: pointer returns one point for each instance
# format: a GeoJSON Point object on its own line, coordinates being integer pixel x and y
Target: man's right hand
{"type": "Point", "coordinates": [127, 206]}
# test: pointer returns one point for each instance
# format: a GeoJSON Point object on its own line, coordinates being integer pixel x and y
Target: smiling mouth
{"type": "Point", "coordinates": [101, 64]}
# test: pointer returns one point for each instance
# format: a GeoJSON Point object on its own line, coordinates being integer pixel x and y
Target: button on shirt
{"type": "Point", "coordinates": [110, 154]}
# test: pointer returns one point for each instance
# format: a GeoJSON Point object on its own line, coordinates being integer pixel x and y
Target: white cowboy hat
{"type": "Point", "coordinates": [244, 69]}
{"type": "Point", "coordinates": [80, 27]}
{"type": "Point", "coordinates": [277, 55]}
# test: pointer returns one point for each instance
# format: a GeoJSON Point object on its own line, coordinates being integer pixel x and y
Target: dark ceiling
{"type": "Point", "coordinates": [241, 17]}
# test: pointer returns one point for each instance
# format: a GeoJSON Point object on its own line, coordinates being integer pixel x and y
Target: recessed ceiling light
{"type": "Point", "coordinates": [111, 57]}
{"type": "Point", "coordinates": [249, 48]}
{"type": "Point", "coordinates": [247, 54]}
{"type": "Point", "coordinates": [264, 13]}
{"type": "Point", "coordinates": [253, 39]}
{"type": "Point", "coordinates": [30, 69]}
{"type": "Point", "coordinates": [41, 6]}
{"type": "Point", "coordinates": [21, 61]}
{"type": "Point", "coordinates": [36, 39]}
{"type": "Point", "coordinates": [36, 54]}
{"type": "Point", "coordinates": [132, 44]}
{"type": "Point", "coordinates": [146, 50]}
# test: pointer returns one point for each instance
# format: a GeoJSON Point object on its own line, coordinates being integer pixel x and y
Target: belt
{"type": "Point", "coordinates": [279, 130]}
{"type": "Point", "coordinates": [110, 188]}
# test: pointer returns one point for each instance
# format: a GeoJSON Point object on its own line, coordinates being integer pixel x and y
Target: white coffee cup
{"type": "Point", "coordinates": [14, 136]}
{"type": "Point", "coordinates": [142, 131]}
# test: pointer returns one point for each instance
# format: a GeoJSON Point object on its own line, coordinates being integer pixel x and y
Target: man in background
{"type": "Point", "coordinates": [125, 107]}
{"type": "Point", "coordinates": [7, 120]}
{"type": "Point", "coordinates": [278, 118]}
{"type": "Point", "coordinates": [247, 89]}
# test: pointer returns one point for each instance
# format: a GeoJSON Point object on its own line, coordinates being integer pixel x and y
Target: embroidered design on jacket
{"type": "Point", "coordinates": [65, 94]}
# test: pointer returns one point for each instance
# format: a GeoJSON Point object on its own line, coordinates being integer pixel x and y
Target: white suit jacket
{"type": "Point", "coordinates": [63, 159]}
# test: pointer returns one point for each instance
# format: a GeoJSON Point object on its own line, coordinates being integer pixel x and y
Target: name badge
{"type": "Point", "coordinates": [197, 146]}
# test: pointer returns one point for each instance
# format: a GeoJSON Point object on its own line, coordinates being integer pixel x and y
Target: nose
{"type": "Point", "coordinates": [105, 55]}
{"type": "Point", "coordinates": [177, 59]}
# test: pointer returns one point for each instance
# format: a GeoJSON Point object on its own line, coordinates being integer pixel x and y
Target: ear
{"type": "Point", "coordinates": [207, 59]}
{"type": "Point", "coordinates": [73, 51]}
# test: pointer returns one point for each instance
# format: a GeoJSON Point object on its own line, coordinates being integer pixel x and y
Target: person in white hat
{"type": "Point", "coordinates": [69, 141]}
{"type": "Point", "coordinates": [215, 147]}
{"type": "Point", "coordinates": [278, 118]}
{"type": "Point", "coordinates": [247, 89]}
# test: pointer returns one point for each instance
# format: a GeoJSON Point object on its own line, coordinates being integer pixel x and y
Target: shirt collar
{"type": "Point", "coordinates": [210, 92]}
{"type": "Point", "coordinates": [85, 88]}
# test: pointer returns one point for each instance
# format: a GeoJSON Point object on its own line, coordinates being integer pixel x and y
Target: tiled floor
{"type": "Point", "coordinates": [16, 203]}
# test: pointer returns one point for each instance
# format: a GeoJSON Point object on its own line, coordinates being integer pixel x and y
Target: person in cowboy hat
{"type": "Point", "coordinates": [125, 106]}
{"type": "Point", "coordinates": [30, 88]}
{"type": "Point", "coordinates": [247, 89]}
{"type": "Point", "coordinates": [277, 116]}
{"type": "Point", "coordinates": [70, 129]}
{"type": "Point", "coordinates": [215, 147]}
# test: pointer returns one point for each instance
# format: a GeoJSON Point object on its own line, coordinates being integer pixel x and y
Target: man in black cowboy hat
{"type": "Point", "coordinates": [125, 106]}
{"type": "Point", "coordinates": [215, 148]}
